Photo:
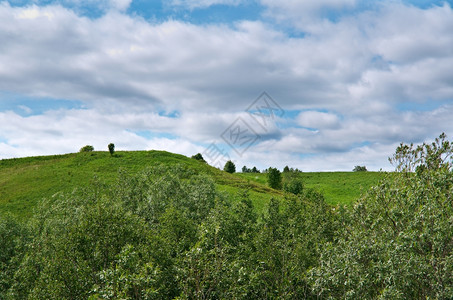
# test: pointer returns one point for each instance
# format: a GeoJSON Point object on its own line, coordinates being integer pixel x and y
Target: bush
{"type": "Point", "coordinates": [359, 169]}
{"type": "Point", "coordinates": [199, 157]}
{"type": "Point", "coordinates": [293, 185]}
{"type": "Point", "coordinates": [87, 148]}
{"type": "Point", "coordinates": [274, 178]}
{"type": "Point", "coordinates": [229, 167]}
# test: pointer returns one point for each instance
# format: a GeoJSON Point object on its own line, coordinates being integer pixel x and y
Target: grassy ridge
{"type": "Point", "coordinates": [24, 181]}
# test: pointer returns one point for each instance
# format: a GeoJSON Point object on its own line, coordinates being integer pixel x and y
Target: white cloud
{"type": "Point", "coordinates": [307, 6]}
{"type": "Point", "coordinates": [120, 5]}
{"type": "Point", "coordinates": [318, 120]}
{"type": "Point", "coordinates": [130, 73]}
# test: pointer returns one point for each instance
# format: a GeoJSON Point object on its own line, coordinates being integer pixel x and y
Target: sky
{"type": "Point", "coordinates": [319, 85]}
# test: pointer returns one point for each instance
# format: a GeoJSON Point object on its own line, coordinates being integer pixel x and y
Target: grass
{"type": "Point", "coordinates": [342, 188]}
{"type": "Point", "coordinates": [25, 181]}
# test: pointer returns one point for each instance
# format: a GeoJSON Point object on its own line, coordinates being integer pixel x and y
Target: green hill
{"type": "Point", "coordinates": [24, 181]}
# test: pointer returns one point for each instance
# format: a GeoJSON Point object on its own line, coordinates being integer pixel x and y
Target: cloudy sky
{"type": "Point", "coordinates": [314, 84]}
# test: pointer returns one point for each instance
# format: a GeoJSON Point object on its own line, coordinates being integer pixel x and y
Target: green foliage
{"type": "Point", "coordinates": [199, 157]}
{"type": "Point", "coordinates": [397, 241]}
{"type": "Point", "coordinates": [87, 148]}
{"type": "Point", "coordinates": [287, 169]}
{"type": "Point", "coordinates": [248, 170]}
{"type": "Point", "coordinates": [293, 185]}
{"type": "Point", "coordinates": [111, 147]}
{"type": "Point", "coordinates": [128, 277]}
{"type": "Point", "coordinates": [274, 178]}
{"type": "Point", "coordinates": [359, 169]}
{"type": "Point", "coordinates": [74, 238]}
{"type": "Point", "coordinates": [13, 236]}
{"type": "Point", "coordinates": [229, 167]}
{"type": "Point", "coordinates": [292, 182]}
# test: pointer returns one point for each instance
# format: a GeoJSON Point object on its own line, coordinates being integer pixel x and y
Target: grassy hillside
{"type": "Point", "coordinates": [24, 181]}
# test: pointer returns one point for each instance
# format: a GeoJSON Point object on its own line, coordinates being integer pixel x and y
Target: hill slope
{"type": "Point", "coordinates": [24, 181]}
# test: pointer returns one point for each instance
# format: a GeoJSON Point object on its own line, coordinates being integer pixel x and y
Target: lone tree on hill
{"type": "Point", "coordinates": [229, 167]}
{"type": "Point", "coordinates": [274, 178]}
{"type": "Point", "coordinates": [111, 148]}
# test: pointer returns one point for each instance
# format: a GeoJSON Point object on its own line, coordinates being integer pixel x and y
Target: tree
{"type": "Point", "coordinates": [293, 185]}
{"type": "Point", "coordinates": [286, 169]}
{"type": "Point", "coordinates": [199, 157]}
{"type": "Point", "coordinates": [396, 242]}
{"type": "Point", "coordinates": [229, 167]}
{"type": "Point", "coordinates": [274, 178]}
{"type": "Point", "coordinates": [255, 170]}
{"type": "Point", "coordinates": [111, 148]}
{"type": "Point", "coordinates": [87, 148]}
{"type": "Point", "coordinates": [359, 169]}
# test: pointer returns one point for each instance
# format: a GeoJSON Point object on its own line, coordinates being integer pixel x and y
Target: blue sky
{"type": "Point", "coordinates": [346, 80]}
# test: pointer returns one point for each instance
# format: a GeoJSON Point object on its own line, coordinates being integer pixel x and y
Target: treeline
{"type": "Point", "coordinates": [167, 233]}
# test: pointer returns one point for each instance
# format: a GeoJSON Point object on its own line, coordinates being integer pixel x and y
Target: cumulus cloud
{"type": "Point", "coordinates": [343, 83]}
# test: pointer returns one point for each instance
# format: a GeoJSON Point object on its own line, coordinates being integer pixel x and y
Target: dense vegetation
{"type": "Point", "coordinates": [168, 232]}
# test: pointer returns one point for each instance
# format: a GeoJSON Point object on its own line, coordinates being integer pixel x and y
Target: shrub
{"type": "Point", "coordinates": [359, 169]}
{"type": "Point", "coordinates": [199, 157]}
{"type": "Point", "coordinates": [294, 186]}
{"type": "Point", "coordinates": [87, 148]}
{"type": "Point", "coordinates": [229, 167]}
{"type": "Point", "coordinates": [274, 178]}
